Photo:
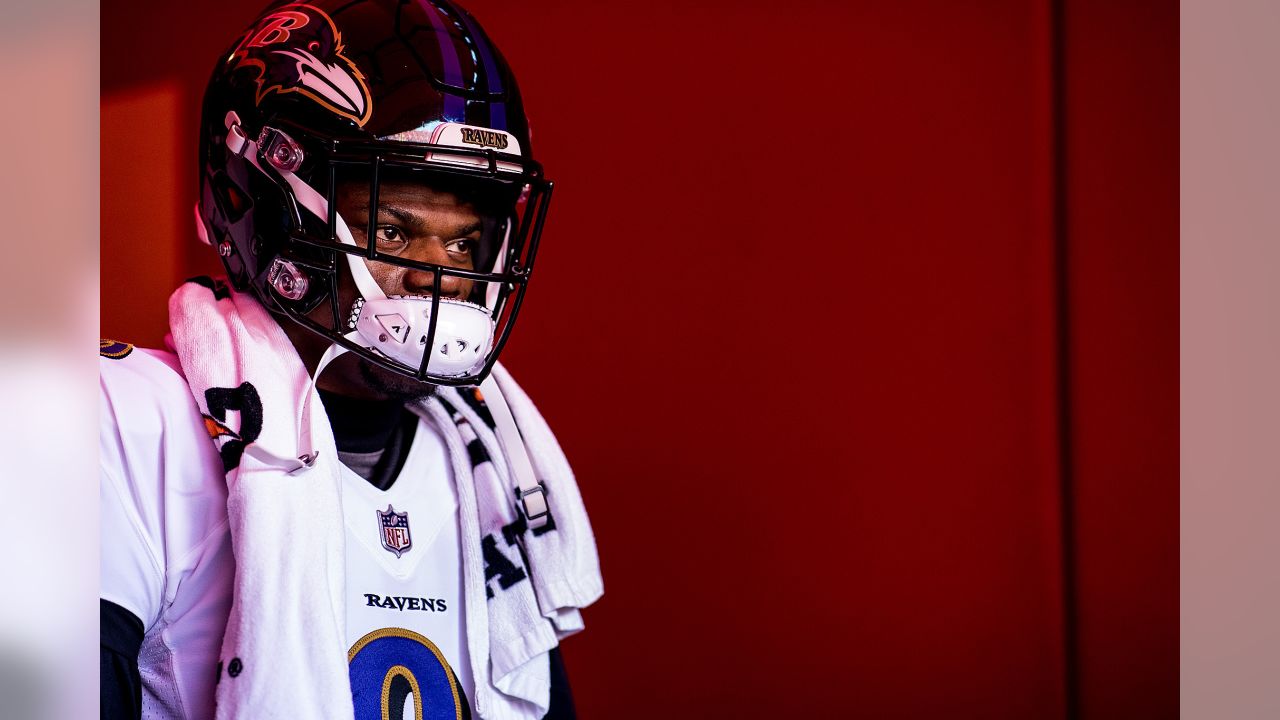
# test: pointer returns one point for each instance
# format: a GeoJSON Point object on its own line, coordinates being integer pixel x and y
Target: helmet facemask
{"type": "Point", "coordinates": [447, 326]}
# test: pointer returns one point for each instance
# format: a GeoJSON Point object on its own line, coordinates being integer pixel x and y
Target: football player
{"type": "Point", "coordinates": [328, 446]}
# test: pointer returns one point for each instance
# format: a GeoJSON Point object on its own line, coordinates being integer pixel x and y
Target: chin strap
{"type": "Point", "coordinates": [305, 439]}
{"type": "Point", "coordinates": [532, 494]}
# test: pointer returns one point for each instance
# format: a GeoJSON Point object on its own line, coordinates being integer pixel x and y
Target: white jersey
{"type": "Point", "coordinates": [166, 551]}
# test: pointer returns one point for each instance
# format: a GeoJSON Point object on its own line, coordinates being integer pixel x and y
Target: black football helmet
{"type": "Point", "coordinates": [318, 94]}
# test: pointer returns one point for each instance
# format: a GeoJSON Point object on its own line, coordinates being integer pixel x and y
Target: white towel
{"type": "Point", "coordinates": [536, 579]}
{"type": "Point", "coordinates": [284, 651]}
{"type": "Point", "coordinates": [287, 531]}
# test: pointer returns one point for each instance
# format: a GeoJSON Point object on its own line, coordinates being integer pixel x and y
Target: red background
{"type": "Point", "coordinates": [857, 320]}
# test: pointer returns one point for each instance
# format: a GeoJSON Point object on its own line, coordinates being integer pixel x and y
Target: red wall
{"type": "Point", "coordinates": [1122, 193]}
{"type": "Point", "coordinates": [869, 314]}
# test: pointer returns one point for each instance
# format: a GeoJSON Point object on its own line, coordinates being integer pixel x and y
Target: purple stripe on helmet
{"type": "Point", "coordinates": [498, 116]}
{"type": "Point", "coordinates": [455, 109]}
{"type": "Point", "coordinates": [486, 55]}
{"type": "Point", "coordinates": [498, 110]}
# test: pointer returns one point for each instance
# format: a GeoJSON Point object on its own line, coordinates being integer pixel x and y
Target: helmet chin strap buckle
{"type": "Point", "coordinates": [535, 505]}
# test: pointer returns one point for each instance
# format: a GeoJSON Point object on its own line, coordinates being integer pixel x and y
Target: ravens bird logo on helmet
{"type": "Point", "coordinates": [298, 49]}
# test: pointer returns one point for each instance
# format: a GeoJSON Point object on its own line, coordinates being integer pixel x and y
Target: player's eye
{"type": "Point", "coordinates": [391, 239]}
{"type": "Point", "coordinates": [461, 249]}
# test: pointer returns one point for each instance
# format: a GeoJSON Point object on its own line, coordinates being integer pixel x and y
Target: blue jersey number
{"type": "Point", "coordinates": [391, 664]}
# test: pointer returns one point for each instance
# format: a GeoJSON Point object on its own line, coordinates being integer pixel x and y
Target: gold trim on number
{"type": "Point", "coordinates": [392, 674]}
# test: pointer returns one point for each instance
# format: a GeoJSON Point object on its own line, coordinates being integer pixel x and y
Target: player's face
{"type": "Point", "coordinates": [413, 222]}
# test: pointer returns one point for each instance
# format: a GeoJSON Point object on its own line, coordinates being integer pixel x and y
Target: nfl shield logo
{"type": "Point", "coordinates": [395, 531]}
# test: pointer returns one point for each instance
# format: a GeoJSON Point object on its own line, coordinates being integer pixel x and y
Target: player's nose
{"type": "Point", "coordinates": [419, 281]}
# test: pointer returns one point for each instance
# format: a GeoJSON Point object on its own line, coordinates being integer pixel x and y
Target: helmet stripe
{"type": "Point", "coordinates": [498, 110]}
{"type": "Point", "coordinates": [498, 116]}
{"type": "Point", "coordinates": [454, 106]}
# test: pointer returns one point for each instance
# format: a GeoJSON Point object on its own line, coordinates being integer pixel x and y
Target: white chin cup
{"type": "Point", "coordinates": [397, 327]}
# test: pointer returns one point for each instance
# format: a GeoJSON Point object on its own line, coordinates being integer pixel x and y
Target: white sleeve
{"type": "Point", "coordinates": [132, 572]}
{"type": "Point", "coordinates": [163, 493]}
